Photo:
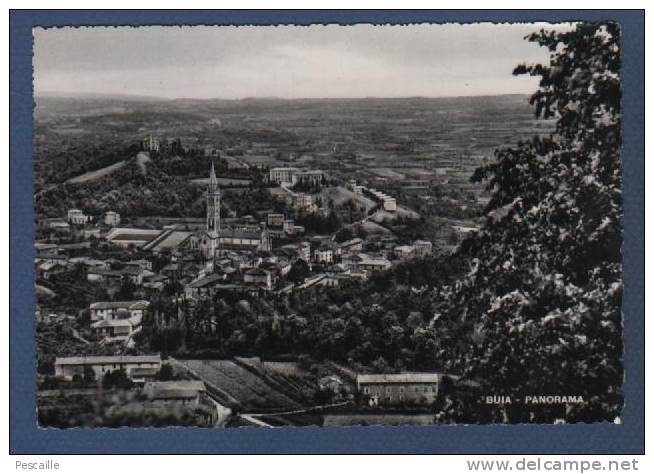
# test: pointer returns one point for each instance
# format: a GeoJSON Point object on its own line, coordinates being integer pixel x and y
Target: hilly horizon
{"type": "Point", "coordinates": [148, 98]}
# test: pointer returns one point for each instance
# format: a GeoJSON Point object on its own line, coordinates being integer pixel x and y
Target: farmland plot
{"type": "Point", "coordinates": [250, 390]}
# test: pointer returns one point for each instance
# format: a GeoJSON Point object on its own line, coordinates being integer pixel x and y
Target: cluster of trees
{"type": "Point", "coordinates": [62, 160]}
{"type": "Point", "coordinates": [129, 191]}
{"type": "Point", "coordinates": [320, 224]}
{"type": "Point", "coordinates": [543, 294]}
{"type": "Point", "coordinates": [386, 323]}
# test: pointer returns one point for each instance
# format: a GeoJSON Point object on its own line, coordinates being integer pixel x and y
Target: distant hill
{"type": "Point", "coordinates": [96, 97]}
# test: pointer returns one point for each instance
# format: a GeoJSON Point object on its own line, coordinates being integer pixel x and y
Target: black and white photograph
{"type": "Point", "coordinates": [328, 225]}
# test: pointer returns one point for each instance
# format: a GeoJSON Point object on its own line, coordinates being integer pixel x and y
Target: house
{"type": "Point", "coordinates": [464, 231]}
{"type": "Point", "coordinates": [185, 393]}
{"type": "Point", "coordinates": [390, 204]}
{"type": "Point", "coordinates": [323, 255]}
{"type": "Point", "coordinates": [301, 250]}
{"type": "Point", "coordinates": [99, 274]}
{"type": "Point", "coordinates": [404, 251]}
{"type": "Point", "coordinates": [275, 220]}
{"type": "Point", "coordinates": [258, 277]}
{"type": "Point", "coordinates": [90, 262]}
{"type": "Point", "coordinates": [398, 389]}
{"type": "Point", "coordinates": [49, 269]}
{"type": "Point", "coordinates": [333, 280]}
{"type": "Point", "coordinates": [373, 264]}
{"type": "Point", "coordinates": [116, 277]}
{"type": "Point", "coordinates": [138, 368]}
{"type": "Point", "coordinates": [350, 246]}
{"type": "Point", "coordinates": [58, 225]}
{"type": "Point", "coordinates": [45, 250]}
{"type": "Point", "coordinates": [205, 286]}
{"type": "Point", "coordinates": [351, 261]}
{"type": "Point", "coordinates": [303, 201]}
{"type": "Point", "coordinates": [109, 310]}
{"type": "Point", "coordinates": [312, 281]}
{"type": "Point", "coordinates": [114, 330]}
{"type": "Point", "coordinates": [142, 264]}
{"type": "Point", "coordinates": [422, 247]}
{"type": "Point", "coordinates": [291, 229]}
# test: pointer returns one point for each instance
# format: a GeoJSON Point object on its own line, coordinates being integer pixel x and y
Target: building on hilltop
{"type": "Point", "coordinates": [150, 143]}
{"type": "Point", "coordinates": [77, 216]}
{"type": "Point", "coordinates": [111, 218]}
{"type": "Point", "coordinates": [283, 175]}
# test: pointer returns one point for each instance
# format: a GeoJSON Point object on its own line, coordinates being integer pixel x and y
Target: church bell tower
{"type": "Point", "coordinates": [213, 214]}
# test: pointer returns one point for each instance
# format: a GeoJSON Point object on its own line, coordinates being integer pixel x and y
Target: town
{"type": "Point", "coordinates": [187, 276]}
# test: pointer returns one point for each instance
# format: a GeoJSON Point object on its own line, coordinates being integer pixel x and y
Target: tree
{"type": "Point", "coordinates": [166, 373]}
{"type": "Point", "coordinates": [116, 379]}
{"type": "Point", "coordinates": [299, 271]}
{"type": "Point", "coordinates": [344, 234]}
{"type": "Point", "coordinates": [542, 299]}
{"type": "Point", "coordinates": [127, 289]}
{"type": "Point", "coordinates": [89, 376]}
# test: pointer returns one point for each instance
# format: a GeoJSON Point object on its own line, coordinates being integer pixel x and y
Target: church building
{"type": "Point", "coordinates": [215, 240]}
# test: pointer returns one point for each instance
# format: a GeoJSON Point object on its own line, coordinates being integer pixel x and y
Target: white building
{"type": "Point", "coordinates": [112, 218]}
{"type": "Point", "coordinates": [311, 177]}
{"type": "Point", "coordinates": [138, 368]}
{"type": "Point", "coordinates": [390, 204]}
{"type": "Point", "coordinates": [373, 264]}
{"type": "Point", "coordinates": [323, 255]}
{"type": "Point", "coordinates": [303, 201]}
{"type": "Point", "coordinates": [110, 310]}
{"type": "Point", "coordinates": [150, 143]}
{"type": "Point", "coordinates": [353, 245]}
{"type": "Point", "coordinates": [282, 175]}
{"type": "Point", "coordinates": [396, 389]}
{"type": "Point", "coordinates": [404, 251]}
{"type": "Point", "coordinates": [422, 247]}
{"type": "Point", "coordinates": [76, 216]}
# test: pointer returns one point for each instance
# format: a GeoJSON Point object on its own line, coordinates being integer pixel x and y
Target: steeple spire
{"type": "Point", "coordinates": [213, 181]}
{"type": "Point", "coordinates": [213, 214]}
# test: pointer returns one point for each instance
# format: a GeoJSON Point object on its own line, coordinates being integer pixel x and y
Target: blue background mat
{"type": "Point", "coordinates": [25, 437]}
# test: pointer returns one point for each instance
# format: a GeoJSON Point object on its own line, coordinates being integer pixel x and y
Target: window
{"type": "Point", "coordinates": [401, 389]}
{"type": "Point", "coordinates": [366, 390]}
{"type": "Point", "coordinates": [388, 389]}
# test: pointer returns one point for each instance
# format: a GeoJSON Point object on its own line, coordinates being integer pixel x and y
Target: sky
{"type": "Point", "coordinates": [286, 61]}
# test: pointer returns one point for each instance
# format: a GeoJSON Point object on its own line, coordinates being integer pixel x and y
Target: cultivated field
{"type": "Point", "coordinates": [266, 388]}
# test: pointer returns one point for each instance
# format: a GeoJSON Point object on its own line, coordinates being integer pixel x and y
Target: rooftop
{"type": "Point", "coordinates": [400, 378]}
{"type": "Point", "coordinates": [119, 359]}
{"type": "Point", "coordinates": [140, 304]}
